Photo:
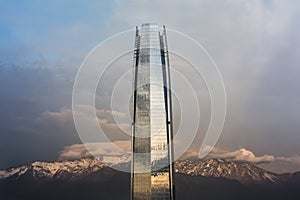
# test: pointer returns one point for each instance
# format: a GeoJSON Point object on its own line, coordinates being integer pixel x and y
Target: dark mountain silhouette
{"type": "Point", "coordinates": [90, 179]}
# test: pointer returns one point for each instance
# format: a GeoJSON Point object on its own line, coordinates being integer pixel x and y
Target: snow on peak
{"type": "Point", "coordinates": [70, 170]}
{"type": "Point", "coordinates": [13, 171]}
{"type": "Point", "coordinates": [77, 167]}
{"type": "Point", "coordinates": [240, 171]}
{"type": "Point", "coordinates": [56, 169]}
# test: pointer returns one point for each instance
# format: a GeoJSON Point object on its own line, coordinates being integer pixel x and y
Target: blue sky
{"type": "Point", "coordinates": [35, 27]}
{"type": "Point", "coordinates": [255, 44]}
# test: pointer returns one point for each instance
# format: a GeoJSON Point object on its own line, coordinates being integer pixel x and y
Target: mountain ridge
{"type": "Point", "coordinates": [243, 172]}
{"type": "Point", "coordinates": [194, 179]}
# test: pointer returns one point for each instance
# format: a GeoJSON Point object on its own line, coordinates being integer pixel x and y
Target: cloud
{"type": "Point", "coordinates": [242, 154]}
{"type": "Point", "coordinates": [107, 153]}
{"type": "Point", "coordinates": [292, 159]}
{"type": "Point", "coordinates": [283, 164]}
{"type": "Point", "coordinates": [247, 155]}
{"type": "Point", "coordinates": [98, 149]}
{"type": "Point", "coordinates": [255, 44]}
{"type": "Point", "coordinates": [115, 125]}
{"type": "Point", "coordinates": [78, 151]}
{"type": "Point", "coordinates": [63, 116]}
{"type": "Point", "coordinates": [190, 154]}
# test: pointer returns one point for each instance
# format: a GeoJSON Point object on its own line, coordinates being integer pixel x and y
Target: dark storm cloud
{"type": "Point", "coordinates": [27, 93]}
{"type": "Point", "coordinates": [36, 116]}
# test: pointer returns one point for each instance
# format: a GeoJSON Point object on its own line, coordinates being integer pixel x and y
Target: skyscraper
{"type": "Point", "coordinates": [152, 150]}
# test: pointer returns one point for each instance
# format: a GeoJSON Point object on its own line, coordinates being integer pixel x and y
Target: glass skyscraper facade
{"type": "Point", "coordinates": [152, 150]}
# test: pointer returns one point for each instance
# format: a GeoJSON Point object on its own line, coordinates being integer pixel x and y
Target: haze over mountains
{"type": "Point", "coordinates": [90, 179]}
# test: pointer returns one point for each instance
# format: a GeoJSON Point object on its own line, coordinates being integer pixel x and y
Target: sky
{"type": "Point", "coordinates": [256, 45]}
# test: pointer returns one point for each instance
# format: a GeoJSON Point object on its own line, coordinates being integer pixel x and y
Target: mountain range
{"type": "Point", "coordinates": [194, 179]}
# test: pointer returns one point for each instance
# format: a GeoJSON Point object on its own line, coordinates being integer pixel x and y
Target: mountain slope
{"type": "Point", "coordinates": [90, 179]}
{"type": "Point", "coordinates": [241, 171]}
{"type": "Point", "coordinates": [69, 170]}
{"type": "Point", "coordinates": [56, 170]}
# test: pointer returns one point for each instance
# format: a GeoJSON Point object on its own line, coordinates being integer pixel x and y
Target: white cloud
{"type": "Point", "coordinates": [242, 154]}
{"type": "Point", "coordinates": [78, 151]}
{"type": "Point", "coordinates": [96, 149]}
{"type": "Point", "coordinates": [247, 155]}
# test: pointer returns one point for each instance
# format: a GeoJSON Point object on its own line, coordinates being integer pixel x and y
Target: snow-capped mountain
{"type": "Point", "coordinates": [243, 172]}
{"type": "Point", "coordinates": [13, 171]}
{"type": "Point", "coordinates": [194, 179]}
{"type": "Point", "coordinates": [240, 171]}
{"type": "Point", "coordinates": [56, 170]}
